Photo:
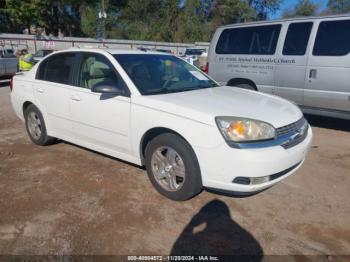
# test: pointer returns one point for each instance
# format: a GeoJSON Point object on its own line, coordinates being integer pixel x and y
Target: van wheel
{"type": "Point", "coordinates": [36, 128]}
{"type": "Point", "coordinates": [172, 167]}
{"type": "Point", "coordinates": [246, 86]}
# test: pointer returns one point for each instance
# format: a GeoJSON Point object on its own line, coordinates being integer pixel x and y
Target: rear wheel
{"type": "Point", "coordinates": [172, 167]}
{"type": "Point", "coordinates": [36, 128]}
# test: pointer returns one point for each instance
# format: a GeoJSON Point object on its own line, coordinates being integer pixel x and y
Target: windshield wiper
{"type": "Point", "coordinates": [170, 90]}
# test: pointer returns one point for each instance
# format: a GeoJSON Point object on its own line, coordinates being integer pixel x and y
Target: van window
{"type": "Point", "coordinates": [297, 39]}
{"type": "Point", "coordinates": [257, 40]}
{"type": "Point", "coordinates": [333, 38]}
{"type": "Point", "coordinates": [57, 68]}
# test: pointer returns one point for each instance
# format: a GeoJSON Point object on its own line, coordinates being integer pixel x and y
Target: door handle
{"type": "Point", "coordinates": [39, 90]}
{"type": "Point", "coordinates": [75, 98]}
{"type": "Point", "coordinates": [312, 74]}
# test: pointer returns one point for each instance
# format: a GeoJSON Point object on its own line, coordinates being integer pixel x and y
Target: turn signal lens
{"type": "Point", "coordinates": [244, 129]}
{"type": "Point", "coordinates": [237, 128]}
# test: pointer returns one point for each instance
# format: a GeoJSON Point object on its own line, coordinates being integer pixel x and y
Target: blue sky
{"type": "Point", "coordinates": [286, 4]}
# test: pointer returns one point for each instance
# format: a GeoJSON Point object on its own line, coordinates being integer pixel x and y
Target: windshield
{"type": "Point", "coordinates": [161, 74]}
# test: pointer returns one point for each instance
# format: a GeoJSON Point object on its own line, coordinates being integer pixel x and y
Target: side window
{"type": "Point", "coordinates": [257, 40]}
{"type": "Point", "coordinates": [57, 68]}
{"type": "Point", "coordinates": [297, 39]}
{"type": "Point", "coordinates": [333, 38]}
{"type": "Point", "coordinates": [95, 69]}
{"type": "Point", "coordinates": [41, 73]}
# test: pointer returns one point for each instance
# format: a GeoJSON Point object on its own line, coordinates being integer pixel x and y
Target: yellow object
{"type": "Point", "coordinates": [23, 65]}
{"type": "Point", "coordinates": [238, 128]}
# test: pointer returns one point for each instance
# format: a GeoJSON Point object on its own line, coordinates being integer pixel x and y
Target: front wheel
{"type": "Point", "coordinates": [172, 167]}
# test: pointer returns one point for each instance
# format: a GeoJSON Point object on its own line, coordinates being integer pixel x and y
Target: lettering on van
{"type": "Point", "coordinates": [256, 60]}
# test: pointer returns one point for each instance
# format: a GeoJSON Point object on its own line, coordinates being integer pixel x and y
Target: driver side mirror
{"type": "Point", "coordinates": [107, 87]}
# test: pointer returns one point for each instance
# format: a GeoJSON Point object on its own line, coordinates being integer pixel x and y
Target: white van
{"type": "Point", "coordinates": [306, 60]}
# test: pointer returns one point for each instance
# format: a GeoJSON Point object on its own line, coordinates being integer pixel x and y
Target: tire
{"type": "Point", "coordinates": [246, 86]}
{"type": "Point", "coordinates": [37, 131]}
{"type": "Point", "coordinates": [184, 171]}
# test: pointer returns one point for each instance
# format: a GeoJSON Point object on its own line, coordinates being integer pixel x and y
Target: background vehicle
{"type": "Point", "coordinates": [40, 54]}
{"type": "Point", "coordinates": [196, 56]}
{"type": "Point", "coordinates": [168, 51]}
{"type": "Point", "coordinates": [306, 60]}
{"type": "Point", "coordinates": [8, 63]}
{"type": "Point", "coordinates": [156, 110]}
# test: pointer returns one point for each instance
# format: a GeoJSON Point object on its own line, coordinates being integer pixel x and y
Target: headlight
{"type": "Point", "coordinates": [244, 129]}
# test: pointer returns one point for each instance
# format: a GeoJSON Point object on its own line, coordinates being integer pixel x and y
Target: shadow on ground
{"type": "Point", "coordinates": [213, 231]}
{"type": "Point", "coordinates": [328, 122]}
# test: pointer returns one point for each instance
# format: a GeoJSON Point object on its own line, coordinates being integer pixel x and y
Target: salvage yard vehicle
{"type": "Point", "coordinates": [40, 54]}
{"type": "Point", "coordinates": [305, 60]}
{"type": "Point", "coordinates": [8, 63]}
{"type": "Point", "coordinates": [155, 110]}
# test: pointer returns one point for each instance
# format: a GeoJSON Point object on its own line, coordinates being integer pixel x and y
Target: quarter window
{"type": "Point", "coordinates": [57, 68]}
{"type": "Point", "coordinates": [333, 38]}
{"type": "Point", "coordinates": [257, 40]}
{"type": "Point", "coordinates": [297, 39]}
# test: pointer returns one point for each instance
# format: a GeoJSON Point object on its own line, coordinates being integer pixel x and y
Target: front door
{"type": "Point", "coordinates": [100, 120]}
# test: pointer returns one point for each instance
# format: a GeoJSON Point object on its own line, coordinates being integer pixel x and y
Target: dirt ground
{"type": "Point", "coordinates": [63, 199]}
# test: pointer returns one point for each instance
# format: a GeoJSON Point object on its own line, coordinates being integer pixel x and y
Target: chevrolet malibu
{"type": "Point", "coordinates": [155, 110]}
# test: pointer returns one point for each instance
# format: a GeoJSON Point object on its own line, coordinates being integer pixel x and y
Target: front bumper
{"type": "Point", "coordinates": [221, 165]}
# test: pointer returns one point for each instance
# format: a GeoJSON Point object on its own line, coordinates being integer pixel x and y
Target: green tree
{"type": "Point", "coordinates": [303, 8]}
{"type": "Point", "coordinates": [263, 8]}
{"type": "Point", "coordinates": [338, 6]}
{"type": "Point", "coordinates": [21, 14]}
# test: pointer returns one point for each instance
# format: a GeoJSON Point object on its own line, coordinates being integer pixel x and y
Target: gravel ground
{"type": "Point", "coordinates": [63, 199]}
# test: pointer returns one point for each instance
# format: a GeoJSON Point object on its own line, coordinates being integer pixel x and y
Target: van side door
{"type": "Point", "coordinates": [291, 62]}
{"type": "Point", "coordinates": [328, 72]}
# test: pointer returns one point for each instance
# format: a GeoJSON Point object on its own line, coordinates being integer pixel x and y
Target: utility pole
{"type": "Point", "coordinates": [102, 15]}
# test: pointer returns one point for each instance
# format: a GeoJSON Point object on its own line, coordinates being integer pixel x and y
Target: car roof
{"type": "Point", "coordinates": [116, 51]}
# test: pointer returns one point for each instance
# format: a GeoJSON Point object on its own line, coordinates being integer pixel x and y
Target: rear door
{"type": "Point", "coordinates": [328, 71]}
{"type": "Point", "coordinates": [100, 120]}
{"type": "Point", "coordinates": [52, 92]}
{"type": "Point", "coordinates": [291, 62]}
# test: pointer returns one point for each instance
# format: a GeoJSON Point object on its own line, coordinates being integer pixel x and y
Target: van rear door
{"type": "Point", "coordinates": [328, 71]}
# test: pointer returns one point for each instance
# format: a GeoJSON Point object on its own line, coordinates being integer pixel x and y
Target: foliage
{"type": "Point", "coordinates": [338, 6]}
{"type": "Point", "coordinates": [159, 20]}
{"type": "Point", "coordinates": [303, 8]}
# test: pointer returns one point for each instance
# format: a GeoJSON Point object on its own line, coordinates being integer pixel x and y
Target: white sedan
{"type": "Point", "coordinates": [154, 109]}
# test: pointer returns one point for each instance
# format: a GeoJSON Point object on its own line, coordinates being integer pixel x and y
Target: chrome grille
{"type": "Point", "coordinates": [292, 129]}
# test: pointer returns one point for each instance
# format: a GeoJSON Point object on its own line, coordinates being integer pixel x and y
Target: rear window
{"type": "Point", "coordinates": [257, 40]}
{"type": "Point", "coordinates": [297, 39]}
{"type": "Point", "coordinates": [57, 68]}
{"type": "Point", "coordinates": [333, 38]}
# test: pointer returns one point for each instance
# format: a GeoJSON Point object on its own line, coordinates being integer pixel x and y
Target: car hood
{"type": "Point", "coordinates": [205, 104]}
